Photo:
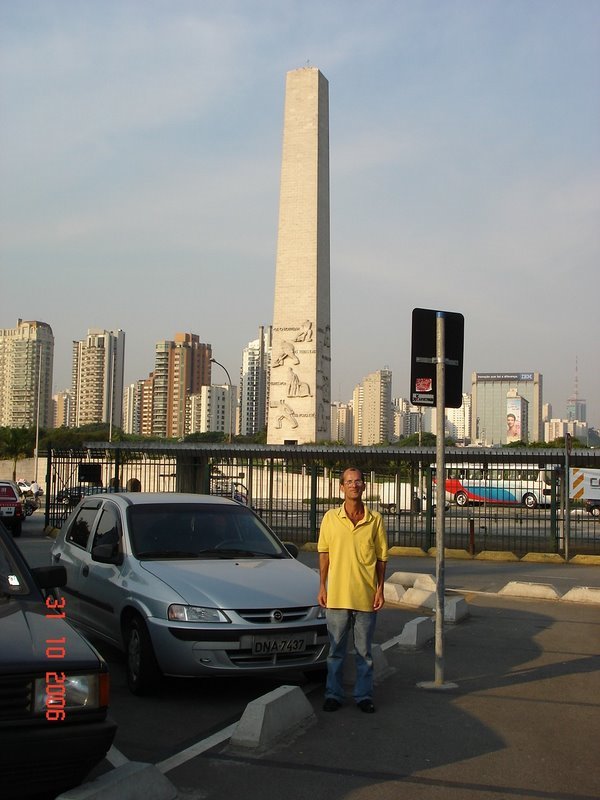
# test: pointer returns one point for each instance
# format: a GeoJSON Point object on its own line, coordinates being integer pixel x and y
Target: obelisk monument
{"type": "Point", "coordinates": [299, 388]}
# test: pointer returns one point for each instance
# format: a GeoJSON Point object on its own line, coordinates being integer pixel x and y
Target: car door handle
{"type": "Point", "coordinates": [86, 571]}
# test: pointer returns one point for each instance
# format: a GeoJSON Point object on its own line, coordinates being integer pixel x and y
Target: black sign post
{"type": "Point", "coordinates": [436, 380]}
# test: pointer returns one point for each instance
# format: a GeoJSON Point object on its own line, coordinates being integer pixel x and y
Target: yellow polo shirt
{"type": "Point", "coordinates": [353, 555]}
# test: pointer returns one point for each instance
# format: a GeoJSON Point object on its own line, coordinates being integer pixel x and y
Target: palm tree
{"type": "Point", "coordinates": [16, 443]}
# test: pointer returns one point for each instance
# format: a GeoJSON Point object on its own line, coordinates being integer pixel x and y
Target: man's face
{"type": "Point", "coordinates": [352, 484]}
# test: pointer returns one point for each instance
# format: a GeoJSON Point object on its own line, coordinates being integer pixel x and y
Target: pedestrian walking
{"type": "Point", "coordinates": [352, 558]}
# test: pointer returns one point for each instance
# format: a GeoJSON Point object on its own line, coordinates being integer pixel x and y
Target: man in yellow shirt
{"type": "Point", "coordinates": [352, 557]}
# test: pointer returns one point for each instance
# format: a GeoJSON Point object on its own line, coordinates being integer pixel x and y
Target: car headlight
{"type": "Point", "coordinates": [61, 691]}
{"type": "Point", "coordinates": [179, 613]}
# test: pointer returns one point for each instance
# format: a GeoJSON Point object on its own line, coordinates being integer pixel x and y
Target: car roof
{"type": "Point", "coordinates": [164, 498]}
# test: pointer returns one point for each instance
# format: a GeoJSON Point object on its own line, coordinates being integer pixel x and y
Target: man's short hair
{"type": "Point", "coordinates": [352, 469]}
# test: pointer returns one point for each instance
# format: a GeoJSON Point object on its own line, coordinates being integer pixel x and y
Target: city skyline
{"type": "Point", "coordinates": [464, 177]}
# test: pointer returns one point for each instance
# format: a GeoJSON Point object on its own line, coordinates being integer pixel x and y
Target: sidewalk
{"type": "Point", "coordinates": [523, 723]}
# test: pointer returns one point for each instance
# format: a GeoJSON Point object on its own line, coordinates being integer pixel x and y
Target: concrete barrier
{"type": "Point", "coordinates": [455, 609]}
{"type": "Point", "coordinates": [393, 592]}
{"type": "Point", "coordinates": [419, 598]}
{"type": "Point", "coordinates": [415, 633]}
{"type": "Point", "coordinates": [582, 594]}
{"type": "Point", "coordinates": [541, 591]}
{"type": "Point", "coordinates": [128, 782]}
{"type": "Point", "coordinates": [408, 579]}
{"type": "Point", "coordinates": [267, 718]}
{"type": "Point", "coordinates": [381, 667]}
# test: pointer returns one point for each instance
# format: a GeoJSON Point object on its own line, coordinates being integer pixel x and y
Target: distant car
{"type": "Point", "coordinates": [592, 507]}
{"type": "Point", "coordinates": [71, 495]}
{"type": "Point", "coordinates": [189, 585]}
{"type": "Point", "coordinates": [12, 512]}
{"type": "Point", "coordinates": [225, 487]}
{"type": "Point", "coordinates": [53, 685]}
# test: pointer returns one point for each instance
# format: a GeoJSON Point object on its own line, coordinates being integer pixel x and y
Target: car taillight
{"type": "Point", "coordinates": [19, 510]}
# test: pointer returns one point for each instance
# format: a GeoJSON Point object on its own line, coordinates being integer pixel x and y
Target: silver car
{"type": "Point", "coordinates": [189, 585]}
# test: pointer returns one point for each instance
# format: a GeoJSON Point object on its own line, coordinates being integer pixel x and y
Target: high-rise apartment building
{"type": "Point", "coordinates": [458, 420]}
{"type": "Point", "coordinates": [181, 367]}
{"type": "Point", "coordinates": [342, 422]}
{"type": "Point", "coordinates": [372, 403]}
{"type": "Point", "coordinates": [26, 363]}
{"type": "Point", "coordinates": [496, 398]}
{"type": "Point", "coordinates": [299, 387]}
{"type": "Point", "coordinates": [212, 409]}
{"type": "Point", "coordinates": [132, 407]}
{"type": "Point", "coordinates": [254, 383]}
{"type": "Point", "coordinates": [61, 404]}
{"type": "Point", "coordinates": [97, 378]}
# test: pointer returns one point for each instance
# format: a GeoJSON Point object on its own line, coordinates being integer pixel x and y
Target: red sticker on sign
{"type": "Point", "coordinates": [424, 385]}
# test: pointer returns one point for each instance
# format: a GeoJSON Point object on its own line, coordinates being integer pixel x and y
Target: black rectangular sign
{"type": "Point", "coordinates": [423, 373]}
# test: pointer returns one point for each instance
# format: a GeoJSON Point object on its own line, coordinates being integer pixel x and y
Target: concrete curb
{"type": "Point", "coordinates": [128, 782]}
{"type": "Point", "coordinates": [268, 717]}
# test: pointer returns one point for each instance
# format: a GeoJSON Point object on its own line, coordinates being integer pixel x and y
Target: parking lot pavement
{"type": "Point", "coordinates": [522, 723]}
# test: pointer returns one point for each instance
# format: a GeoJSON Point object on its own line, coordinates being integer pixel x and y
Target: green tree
{"type": "Point", "coordinates": [17, 443]}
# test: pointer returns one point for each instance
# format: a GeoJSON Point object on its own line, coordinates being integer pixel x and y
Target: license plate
{"type": "Point", "coordinates": [273, 645]}
{"type": "Point", "coordinates": [8, 511]}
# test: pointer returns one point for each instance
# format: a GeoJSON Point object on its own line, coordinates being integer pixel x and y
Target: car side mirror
{"type": "Point", "coordinates": [51, 577]}
{"type": "Point", "coordinates": [107, 554]}
{"type": "Point", "coordinates": [292, 549]}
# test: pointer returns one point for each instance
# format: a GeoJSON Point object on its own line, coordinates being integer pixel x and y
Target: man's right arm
{"type": "Point", "coordinates": [323, 572]}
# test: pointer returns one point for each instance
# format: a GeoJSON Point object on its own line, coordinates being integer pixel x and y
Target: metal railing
{"type": "Point", "coordinates": [291, 487]}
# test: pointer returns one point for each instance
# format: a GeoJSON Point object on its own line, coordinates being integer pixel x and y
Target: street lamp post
{"type": "Point", "coordinates": [218, 363]}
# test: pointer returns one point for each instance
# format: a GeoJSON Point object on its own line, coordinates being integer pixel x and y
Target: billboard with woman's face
{"type": "Point", "coordinates": [514, 406]}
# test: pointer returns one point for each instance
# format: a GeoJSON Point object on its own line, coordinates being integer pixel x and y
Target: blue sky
{"type": "Point", "coordinates": [140, 147]}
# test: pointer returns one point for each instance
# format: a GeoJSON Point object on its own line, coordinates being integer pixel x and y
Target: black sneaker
{"type": "Point", "coordinates": [366, 706]}
{"type": "Point", "coordinates": [331, 704]}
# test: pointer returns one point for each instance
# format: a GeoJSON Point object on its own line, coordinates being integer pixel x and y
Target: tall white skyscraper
{"type": "Point", "coordinates": [254, 378]}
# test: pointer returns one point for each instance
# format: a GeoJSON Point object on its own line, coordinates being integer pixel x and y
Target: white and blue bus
{"type": "Point", "coordinates": [498, 484]}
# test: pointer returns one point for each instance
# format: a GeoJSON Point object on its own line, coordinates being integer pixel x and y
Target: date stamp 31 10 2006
{"type": "Point", "coordinates": [55, 680]}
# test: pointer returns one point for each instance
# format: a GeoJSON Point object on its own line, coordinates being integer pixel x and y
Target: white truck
{"type": "Point", "coordinates": [402, 497]}
{"type": "Point", "coordinates": [584, 484]}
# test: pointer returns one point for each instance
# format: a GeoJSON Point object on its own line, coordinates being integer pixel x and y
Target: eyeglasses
{"type": "Point", "coordinates": [353, 483]}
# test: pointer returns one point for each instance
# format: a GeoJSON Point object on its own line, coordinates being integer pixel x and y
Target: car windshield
{"type": "Point", "coordinates": [12, 580]}
{"type": "Point", "coordinates": [194, 530]}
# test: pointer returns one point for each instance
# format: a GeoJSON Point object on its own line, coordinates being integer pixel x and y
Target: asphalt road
{"type": "Point", "coordinates": [187, 711]}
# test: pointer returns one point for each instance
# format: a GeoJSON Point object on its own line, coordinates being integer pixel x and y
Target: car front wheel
{"type": "Point", "coordinates": [143, 674]}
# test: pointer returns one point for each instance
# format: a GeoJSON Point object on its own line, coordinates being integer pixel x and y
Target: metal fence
{"type": "Point", "coordinates": [291, 487]}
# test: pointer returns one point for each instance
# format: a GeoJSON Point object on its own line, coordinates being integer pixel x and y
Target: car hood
{"type": "Point", "coordinates": [235, 583]}
{"type": "Point", "coordinates": [25, 631]}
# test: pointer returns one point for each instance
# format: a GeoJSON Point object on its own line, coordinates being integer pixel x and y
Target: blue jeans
{"type": "Point", "coordinates": [339, 624]}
